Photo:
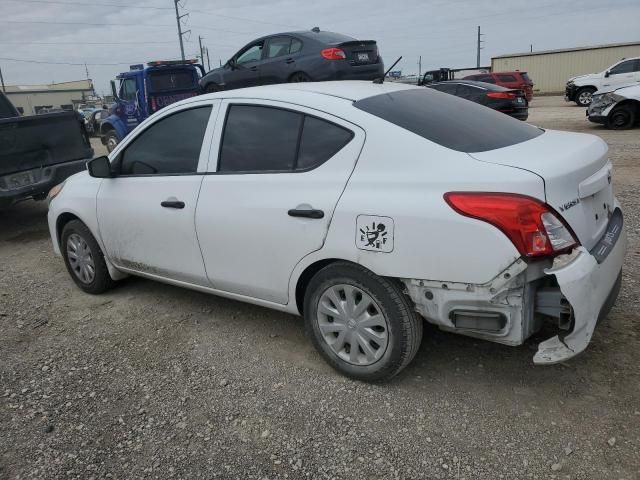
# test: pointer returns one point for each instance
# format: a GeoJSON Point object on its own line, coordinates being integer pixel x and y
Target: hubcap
{"type": "Point", "coordinates": [80, 258]}
{"type": "Point", "coordinates": [585, 98]}
{"type": "Point", "coordinates": [352, 324]}
{"type": "Point", "coordinates": [620, 119]}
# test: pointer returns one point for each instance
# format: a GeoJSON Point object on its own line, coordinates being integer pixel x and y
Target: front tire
{"type": "Point", "coordinates": [583, 96]}
{"type": "Point", "coordinates": [84, 259]}
{"type": "Point", "coordinates": [362, 324]}
{"type": "Point", "coordinates": [111, 140]}
{"type": "Point", "coordinates": [621, 118]}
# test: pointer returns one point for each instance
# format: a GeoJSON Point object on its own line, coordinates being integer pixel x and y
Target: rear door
{"type": "Point", "coordinates": [275, 180]}
{"type": "Point", "coordinates": [279, 61]}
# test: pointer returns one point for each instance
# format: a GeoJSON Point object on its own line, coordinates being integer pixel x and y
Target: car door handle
{"type": "Point", "coordinates": [306, 213]}
{"type": "Point", "coordinates": [289, 60]}
{"type": "Point", "coordinates": [172, 204]}
{"type": "Point", "coordinates": [254, 69]}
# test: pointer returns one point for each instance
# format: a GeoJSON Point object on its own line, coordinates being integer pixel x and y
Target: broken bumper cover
{"type": "Point", "coordinates": [590, 281]}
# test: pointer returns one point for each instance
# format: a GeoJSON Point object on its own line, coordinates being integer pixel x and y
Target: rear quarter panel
{"type": "Point", "coordinates": [403, 176]}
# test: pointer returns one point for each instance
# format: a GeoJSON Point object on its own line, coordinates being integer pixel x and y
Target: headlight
{"type": "Point", "coordinates": [55, 191]}
{"type": "Point", "coordinates": [609, 98]}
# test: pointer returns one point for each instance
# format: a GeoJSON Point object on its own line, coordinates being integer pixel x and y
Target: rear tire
{"type": "Point", "coordinates": [621, 118]}
{"type": "Point", "coordinates": [583, 96]}
{"type": "Point", "coordinates": [384, 326]}
{"type": "Point", "coordinates": [299, 77]}
{"type": "Point", "coordinates": [84, 259]}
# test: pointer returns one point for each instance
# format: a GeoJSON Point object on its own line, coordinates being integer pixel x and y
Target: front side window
{"type": "Point", "coordinates": [624, 67]}
{"type": "Point", "coordinates": [128, 89]}
{"type": "Point", "coordinates": [266, 139]}
{"type": "Point", "coordinates": [251, 54]}
{"type": "Point", "coordinates": [278, 47]}
{"type": "Point", "coordinates": [486, 79]}
{"type": "Point", "coordinates": [169, 146]}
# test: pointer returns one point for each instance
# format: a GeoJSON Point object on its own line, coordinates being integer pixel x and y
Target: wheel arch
{"type": "Point", "coordinates": [632, 102]}
{"type": "Point", "coordinates": [307, 274]}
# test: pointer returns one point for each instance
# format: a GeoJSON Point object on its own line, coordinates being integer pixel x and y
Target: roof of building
{"type": "Point", "coordinates": [564, 50]}
{"type": "Point", "coordinates": [73, 86]}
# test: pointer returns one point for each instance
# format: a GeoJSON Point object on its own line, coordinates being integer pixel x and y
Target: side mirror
{"type": "Point", "coordinates": [232, 64]}
{"type": "Point", "coordinates": [606, 74]}
{"type": "Point", "coordinates": [114, 92]}
{"type": "Point", "coordinates": [100, 167]}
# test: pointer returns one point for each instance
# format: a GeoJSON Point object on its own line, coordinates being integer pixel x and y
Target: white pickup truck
{"type": "Point", "coordinates": [580, 89]}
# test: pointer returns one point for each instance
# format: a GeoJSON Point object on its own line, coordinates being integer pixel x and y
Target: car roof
{"type": "Point", "coordinates": [488, 86]}
{"type": "Point", "coordinates": [351, 90]}
{"type": "Point", "coordinates": [337, 37]}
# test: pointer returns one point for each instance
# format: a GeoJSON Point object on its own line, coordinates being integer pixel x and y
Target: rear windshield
{"type": "Point", "coordinates": [172, 80]}
{"type": "Point", "coordinates": [328, 37]}
{"type": "Point", "coordinates": [447, 120]}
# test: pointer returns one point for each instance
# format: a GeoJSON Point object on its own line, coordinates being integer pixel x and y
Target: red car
{"type": "Point", "coordinates": [513, 80]}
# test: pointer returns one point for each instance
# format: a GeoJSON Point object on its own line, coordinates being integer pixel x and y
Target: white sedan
{"type": "Point", "coordinates": [366, 208]}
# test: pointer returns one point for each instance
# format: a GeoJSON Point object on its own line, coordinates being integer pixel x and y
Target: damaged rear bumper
{"type": "Point", "coordinates": [590, 281]}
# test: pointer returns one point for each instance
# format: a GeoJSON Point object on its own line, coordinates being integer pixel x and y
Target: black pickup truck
{"type": "Point", "coordinates": [38, 152]}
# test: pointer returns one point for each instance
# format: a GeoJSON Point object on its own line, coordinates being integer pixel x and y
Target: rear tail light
{"type": "Point", "coordinates": [503, 95]}
{"type": "Point", "coordinates": [333, 54]}
{"type": "Point", "coordinates": [532, 226]}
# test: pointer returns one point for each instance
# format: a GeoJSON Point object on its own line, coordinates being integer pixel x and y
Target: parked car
{"type": "Point", "coordinates": [94, 119]}
{"type": "Point", "coordinates": [38, 152]}
{"type": "Point", "coordinates": [366, 208]}
{"type": "Point", "coordinates": [515, 80]}
{"type": "Point", "coordinates": [297, 57]}
{"type": "Point", "coordinates": [617, 109]}
{"type": "Point", "coordinates": [505, 100]}
{"type": "Point", "coordinates": [581, 88]}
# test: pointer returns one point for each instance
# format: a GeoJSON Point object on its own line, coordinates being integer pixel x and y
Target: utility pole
{"type": "Point", "coordinates": [201, 50]}
{"type": "Point", "coordinates": [531, 48]}
{"type": "Point", "coordinates": [2, 81]}
{"type": "Point", "coordinates": [480, 42]}
{"type": "Point", "coordinates": [206, 49]}
{"type": "Point", "coordinates": [86, 69]}
{"type": "Point", "coordinates": [180, 33]}
{"type": "Point", "coordinates": [420, 67]}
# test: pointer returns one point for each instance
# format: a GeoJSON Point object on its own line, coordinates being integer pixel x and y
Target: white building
{"type": "Point", "coordinates": [30, 99]}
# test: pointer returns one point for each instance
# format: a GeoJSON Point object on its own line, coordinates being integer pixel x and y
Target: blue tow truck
{"type": "Point", "coordinates": [143, 91]}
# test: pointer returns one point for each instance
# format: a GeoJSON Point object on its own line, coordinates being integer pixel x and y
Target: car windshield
{"type": "Point", "coordinates": [447, 120]}
{"type": "Point", "coordinates": [172, 80]}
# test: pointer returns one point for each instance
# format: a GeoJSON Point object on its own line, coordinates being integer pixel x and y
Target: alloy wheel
{"type": "Point", "coordinates": [352, 324]}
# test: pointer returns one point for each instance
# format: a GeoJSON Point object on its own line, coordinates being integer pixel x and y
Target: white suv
{"type": "Point", "coordinates": [580, 89]}
{"type": "Point", "coordinates": [365, 208]}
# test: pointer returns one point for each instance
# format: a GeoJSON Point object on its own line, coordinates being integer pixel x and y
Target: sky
{"type": "Point", "coordinates": [40, 40]}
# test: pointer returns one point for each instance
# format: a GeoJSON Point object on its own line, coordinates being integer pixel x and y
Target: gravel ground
{"type": "Point", "coordinates": [153, 381]}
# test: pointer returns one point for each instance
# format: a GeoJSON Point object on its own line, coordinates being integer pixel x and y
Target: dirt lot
{"type": "Point", "coordinates": [152, 381]}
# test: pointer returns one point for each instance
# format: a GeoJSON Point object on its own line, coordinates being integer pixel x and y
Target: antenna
{"type": "Point", "coordinates": [381, 79]}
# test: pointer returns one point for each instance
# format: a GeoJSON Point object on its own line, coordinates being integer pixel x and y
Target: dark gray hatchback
{"type": "Point", "coordinates": [307, 56]}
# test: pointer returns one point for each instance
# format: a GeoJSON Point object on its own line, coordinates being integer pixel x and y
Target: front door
{"type": "Point", "coordinates": [129, 101]}
{"type": "Point", "coordinates": [271, 193]}
{"type": "Point", "coordinates": [623, 73]}
{"type": "Point", "coordinates": [244, 69]}
{"type": "Point", "coordinates": [146, 212]}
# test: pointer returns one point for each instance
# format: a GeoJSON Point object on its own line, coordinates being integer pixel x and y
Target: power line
{"type": "Point", "coordinates": [85, 43]}
{"type": "Point", "coordinates": [93, 4]}
{"type": "Point", "coordinates": [65, 63]}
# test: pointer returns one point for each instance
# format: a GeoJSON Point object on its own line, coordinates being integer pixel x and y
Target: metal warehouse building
{"type": "Point", "coordinates": [551, 69]}
{"type": "Point", "coordinates": [30, 99]}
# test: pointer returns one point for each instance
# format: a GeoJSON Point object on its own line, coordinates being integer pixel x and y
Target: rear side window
{"type": "Point", "coordinates": [507, 78]}
{"type": "Point", "coordinates": [169, 146]}
{"type": "Point", "coordinates": [485, 78]}
{"type": "Point", "coordinates": [278, 47]}
{"type": "Point", "coordinates": [266, 139]}
{"type": "Point", "coordinates": [296, 45]}
{"type": "Point", "coordinates": [320, 141]}
{"type": "Point", "coordinates": [447, 120]}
